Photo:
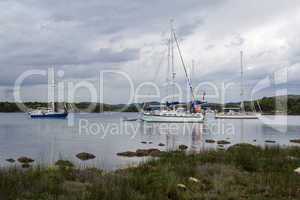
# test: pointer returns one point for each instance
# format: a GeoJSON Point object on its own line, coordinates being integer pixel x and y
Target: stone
{"type": "Point", "coordinates": [10, 160]}
{"type": "Point", "coordinates": [181, 186]}
{"type": "Point", "coordinates": [223, 142]}
{"type": "Point", "coordinates": [270, 141]}
{"type": "Point", "coordinates": [194, 180]}
{"type": "Point", "coordinates": [297, 170]}
{"type": "Point", "coordinates": [141, 153]}
{"type": "Point", "coordinates": [295, 141]}
{"type": "Point", "coordinates": [25, 159]}
{"type": "Point", "coordinates": [85, 156]}
{"type": "Point", "coordinates": [127, 154]}
{"type": "Point", "coordinates": [182, 147]}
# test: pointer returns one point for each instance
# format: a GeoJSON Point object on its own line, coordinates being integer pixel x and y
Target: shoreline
{"type": "Point", "coordinates": [241, 171]}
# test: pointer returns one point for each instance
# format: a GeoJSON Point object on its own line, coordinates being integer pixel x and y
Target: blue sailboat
{"type": "Point", "coordinates": [49, 113]}
{"type": "Point", "coordinates": [52, 111]}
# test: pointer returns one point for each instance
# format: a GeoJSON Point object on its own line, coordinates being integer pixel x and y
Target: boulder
{"type": "Point", "coordinates": [141, 153]}
{"type": "Point", "coordinates": [181, 186]}
{"type": "Point", "coordinates": [295, 141]}
{"type": "Point", "coordinates": [194, 180]}
{"type": "Point", "coordinates": [297, 171]}
{"type": "Point", "coordinates": [25, 159]}
{"type": "Point", "coordinates": [127, 154]}
{"type": "Point", "coordinates": [10, 160]}
{"type": "Point", "coordinates": [182, 147]}
{"type": "Point", "coordinates": [270, 141]}
{"type": "Point", "coordinates": [85, 156]}
{"type": "Point", "coordinates": [223, 142]}
{"type": "Point", "coordinates": [210, 141]}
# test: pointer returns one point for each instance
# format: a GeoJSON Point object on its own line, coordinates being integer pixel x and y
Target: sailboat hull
{"type": "Point", "coordinates": [172, 119]}
{"type": "Point", "coordinates": [237, 116]}
{"type": "Point", "coordinates": [50, 115]}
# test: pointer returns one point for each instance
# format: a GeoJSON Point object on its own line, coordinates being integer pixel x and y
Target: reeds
{"type": "Point", "coordinates": [241, 172]}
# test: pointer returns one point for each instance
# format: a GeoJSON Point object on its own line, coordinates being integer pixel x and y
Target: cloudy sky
{"type": "Point", "coordinates": [83, 38]}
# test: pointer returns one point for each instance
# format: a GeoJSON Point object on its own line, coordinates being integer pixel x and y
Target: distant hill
{"type": "Point", "coordinates": [268, 105]}
{"type": "Point", "coordinates": [289, 104]}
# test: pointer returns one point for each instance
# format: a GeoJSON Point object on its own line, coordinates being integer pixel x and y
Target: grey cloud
{"type": "Point", "coordinates": [236, 40]}
{"type": "Point", "coordinates": [83, 37]}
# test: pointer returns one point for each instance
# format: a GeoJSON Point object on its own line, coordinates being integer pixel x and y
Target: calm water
{"type": "Point", "coordinates": [105, 134]}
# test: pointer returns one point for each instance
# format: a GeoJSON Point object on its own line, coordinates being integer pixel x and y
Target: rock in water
{"type": "Point", "coordinates": [270, 141]}
{"type": "Point", "coordinates": [127, 154]}
{"type": "Point", "coordinates": [210, 141]}
{"type": "Point", "coordinates": [223, 142]}
{"type": "Point", "coordinates": [143, 142]}
{"type": "Point", "coordinates": [182, 147]}
{"type": "Point", "coordinates": [26, 160]}
{"type": "Point", "coordinates": [154, 152]}
{"type": "Point", "coordinates": [141, 153]}
{"type": "Point", "coordinates": [85, 156]}
{"type": "Point", "coordinates": [295, 141]}
{"type": "Point", "coordinates": [10, 160]}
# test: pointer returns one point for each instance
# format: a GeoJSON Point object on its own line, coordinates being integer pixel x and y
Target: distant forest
{"type": "Point", "coordinates": [270, 105]}
{"type": "Point", "coordinates": [267, 105]}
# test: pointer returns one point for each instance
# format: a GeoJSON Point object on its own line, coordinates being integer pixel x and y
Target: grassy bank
{"type": "Point", "coordinates": [241, 172]}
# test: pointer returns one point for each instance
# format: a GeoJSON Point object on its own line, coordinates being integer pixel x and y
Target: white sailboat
{"type": "Point", "coordinates": [238, 113]}
{"type": "Point", "coordinates": [172, 112]}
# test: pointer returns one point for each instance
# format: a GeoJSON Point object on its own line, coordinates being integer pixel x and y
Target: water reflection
{"type": "Point", "coordinates": [49, 140]}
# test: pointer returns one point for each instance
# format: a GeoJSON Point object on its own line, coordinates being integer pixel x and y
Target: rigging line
{"type": "Point", "coordinates": [159, 66]}
{"type": "Point", "coordinates": [157, 71]}
{"type": "Point", "coordinates": [184, 67]}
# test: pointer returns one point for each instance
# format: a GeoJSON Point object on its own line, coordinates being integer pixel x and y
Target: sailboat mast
{"type": "Point", "coordinates": [172, 60]}
{"type": "Point", "coordinates": [168, 72]}
{"type": "Point", "coordinates": [51, 90]}
{"type": "Point", "coordinates": [242, 84]}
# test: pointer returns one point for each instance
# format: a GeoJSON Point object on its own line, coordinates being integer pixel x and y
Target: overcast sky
{"type": "Point", "coordinates": [84, 37]}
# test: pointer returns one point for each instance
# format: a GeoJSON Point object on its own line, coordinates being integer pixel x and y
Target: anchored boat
{"type": "Point", "coordinates": [238, 113]}
{"type": "Point", "coordinates": [47, 114]}
{"type": "Point", "coordinates": [52, 111]}
{"type": "Point", "coordinates": [174, 112]}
